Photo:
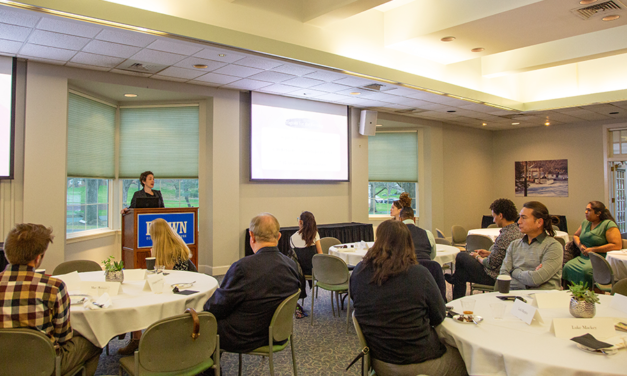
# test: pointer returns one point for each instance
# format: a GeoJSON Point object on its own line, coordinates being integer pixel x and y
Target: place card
{"type": "Point", "coordinates": [600, 328]}
{"type": "Point", "coordinates": [544, 300]}
{"type": "Point", "coordinates": [98, 288]}
{"type": "Point", "coordinates": [526, 312]}
{"type": "Point", "coordinates": [154, 283]}
{"type": "Point", "coordinates": [72, 281]}
{"type": "Point", "coordinates": [619, 302]}
{"type": "Point", "coordinates": [134, 274]}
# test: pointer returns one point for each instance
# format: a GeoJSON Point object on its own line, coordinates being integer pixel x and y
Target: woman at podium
{"type": "Point", "coordinates": [153, 197]}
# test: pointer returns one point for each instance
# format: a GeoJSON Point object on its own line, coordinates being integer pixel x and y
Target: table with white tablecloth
{"type": "Point", "coordinates": [618, 262]}
{"type": "Point", "coordinates": [511, 347]}
{"type": "Point", "coordinates": [136, 309]}
{"type": "Point", "coordinates": [353, 254]}
{"type": "Point", "coordinates": [494, 232]}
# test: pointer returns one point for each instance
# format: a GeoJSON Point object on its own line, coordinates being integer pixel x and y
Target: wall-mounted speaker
{"type": "Point", "coordinates": [368, 123]}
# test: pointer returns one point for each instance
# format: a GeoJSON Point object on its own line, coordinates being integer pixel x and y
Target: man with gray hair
{"type": "Point", "coordinates": [253, 288]}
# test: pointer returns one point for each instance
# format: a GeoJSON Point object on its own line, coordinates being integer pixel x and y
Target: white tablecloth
{"type": "Point", "coordinates": [135, 309]}
{"type": "Point", "coordinates": [618, 262]}
{"type": "Point", "coordinates": [511, 347]}
{"type": "Point", "coordinates": [352, 256]}
{"type": "Point", "coordinates": [494, 232]}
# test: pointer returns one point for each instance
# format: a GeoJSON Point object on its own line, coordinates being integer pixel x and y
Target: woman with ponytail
{"type": "Point", "coordinates": [599, 234]}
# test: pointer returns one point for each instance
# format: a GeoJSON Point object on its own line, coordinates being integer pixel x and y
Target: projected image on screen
{"type": "Point", "coordinates": [294, 139]}
{"type": "Point", "coordinates": [5, 124]}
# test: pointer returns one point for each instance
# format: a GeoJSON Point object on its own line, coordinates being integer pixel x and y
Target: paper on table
{"type": "Point", "coordinates": [600, 327]}
{"type": "Point", "coordinates": [526, 312]}
{"type": "Point", "coordinates": [154, 283]}
{"type": "Point", "coordinates": [134, 274]}
{"type": "Point", "coordinates": [99, 288]}
{"type": "Point", "coordinates": [72, 281]}
{"type": "Point", "coordinates": [551, 299]}
{"type": "Point", "coordinates": [619, 302]}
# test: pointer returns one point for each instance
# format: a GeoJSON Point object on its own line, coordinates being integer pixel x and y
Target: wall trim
{"type": "Point", "coordinates": [213, 270]}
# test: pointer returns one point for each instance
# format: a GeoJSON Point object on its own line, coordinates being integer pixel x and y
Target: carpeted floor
{"type": "Point", "coordinates": [324, 349]}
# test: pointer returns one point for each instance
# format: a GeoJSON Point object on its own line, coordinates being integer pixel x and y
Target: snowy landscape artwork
{"type": "Point", "coordinates": [542, 178]}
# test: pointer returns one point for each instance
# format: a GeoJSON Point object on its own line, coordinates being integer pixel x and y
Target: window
{"type": "Point", "coordinates": [392, 170]}
{"type": "Point", "coordinates": [177, 193]}
{"type": "Point", "coordinates": [87, 204]}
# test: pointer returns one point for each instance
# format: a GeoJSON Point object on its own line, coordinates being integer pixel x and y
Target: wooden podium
{"type": "Point", "coordinates": [135, 233]}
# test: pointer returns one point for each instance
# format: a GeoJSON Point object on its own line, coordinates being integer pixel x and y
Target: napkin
{"type": "Point", "coordinates": [588, 340]}
{"type": "Point", "coordinates": [104, 301]}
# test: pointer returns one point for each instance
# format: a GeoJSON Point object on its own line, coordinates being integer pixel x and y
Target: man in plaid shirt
{"type": "Point", "coordinates": [33, 300]}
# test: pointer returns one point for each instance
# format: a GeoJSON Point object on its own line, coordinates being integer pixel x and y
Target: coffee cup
{"type": "Point", "coordinates": [503, 282]}
{"type": "Point", "coordinates": [150, 263]}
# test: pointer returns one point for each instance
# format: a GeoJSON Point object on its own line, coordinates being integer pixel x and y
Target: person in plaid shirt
{"type": "Point", "coordinates": [33, 300]}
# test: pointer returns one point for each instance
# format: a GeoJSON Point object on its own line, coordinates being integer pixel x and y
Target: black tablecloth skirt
{"type": "Point", "coordinates": [345, 232]}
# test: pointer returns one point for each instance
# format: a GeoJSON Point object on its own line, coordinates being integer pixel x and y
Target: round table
{"type": "Point", "coordinates": [618, 262]}
{"type": "Point", "coordinates": [511, 347]}
{"type": "Point", "coordinates": [494, 232]}
{"type": "Point", "coordinates": [135, 309]}
{"type": "Point", "coordinates": [352, 256]}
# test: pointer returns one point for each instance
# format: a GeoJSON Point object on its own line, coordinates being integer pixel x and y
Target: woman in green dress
{"type": "Point", "coordinates": [598, 234]}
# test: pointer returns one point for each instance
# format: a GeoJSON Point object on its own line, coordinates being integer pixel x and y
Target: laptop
{"type": "Point", "coordinates": [147, 202]}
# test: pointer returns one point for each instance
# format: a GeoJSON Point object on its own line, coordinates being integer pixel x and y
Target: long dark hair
{"type": "Point", "coordinates": [309, 230]}
{"type": "Point", "coordinates": [403, 201]}
{"type": "Point", "coordinates": [600, 210]}
{"type": "Point", "coordinates": [540, 211]}
{"type": "Point", "coordinates": [392, 253]}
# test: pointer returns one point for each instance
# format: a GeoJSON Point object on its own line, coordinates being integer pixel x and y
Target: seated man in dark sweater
{"type": "Point", "coordinates": [424, 242]}
{"type": "Point", "coordinates": [253, 288]}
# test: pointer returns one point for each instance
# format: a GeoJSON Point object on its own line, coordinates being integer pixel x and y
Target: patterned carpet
{"type": "Point", "coordinates": [324, 349]}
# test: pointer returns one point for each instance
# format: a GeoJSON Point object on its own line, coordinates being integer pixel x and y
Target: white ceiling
{"type": "Point", "coordinates": [57, 40]}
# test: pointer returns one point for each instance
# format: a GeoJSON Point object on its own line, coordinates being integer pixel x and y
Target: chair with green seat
{"type": "Point", "coordinates": [483, 288]}
{"type": "Point", "coordinates": [331, 273]}
{"type": "Point", "coordinates": [281, 329]}
{"type": "Point", "coordinates": [180, 345]}
{"type": "Point", "coordinates": [25, 351]}
{"type": "Point", "coordinates": [601, 272]}
{"type": "Point", "coordinates": [474, 242]}
{"type": "Point", "coordinates": [458, 235]}
{"type": "Point", "coordinates": [366, 367]}
{"type": "Point", "coordinates": [77, 266]}
{"type": "Point", "coordinates": [620, 287]}
{"type": "Point", "coordinates": [328, 242]}
{"type": "Point", "coordinates": [443, 241]}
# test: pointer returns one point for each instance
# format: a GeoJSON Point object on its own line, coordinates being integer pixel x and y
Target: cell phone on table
{"type": "Point", "coordinates": [512, 298]}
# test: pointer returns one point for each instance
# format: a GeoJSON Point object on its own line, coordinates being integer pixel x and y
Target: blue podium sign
{"type": "Point", "coordinates": [182, 223]}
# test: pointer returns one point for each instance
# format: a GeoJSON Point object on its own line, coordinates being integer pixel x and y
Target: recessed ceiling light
{"type": "Point", "coordinates": [200, 66]}
{"type": "Point", "coordinates": [547, 123]}
{"type": "Point", "coordinates": [451, 111]}
{"type": "Point", "coordinates": [484, 124]}
{"type": "Point", "coordinates": [379, 125]}
{"type": "Point", "coordinates": [222, 55]}
{"type": "Point", "coordinates": [130, 95]}
{"type": "Point", "coordinates": [613, 113]}
{"type": "Point", "coordinates": [355, 93]}
{"type": "Point", "coordinates": [478, 49]}
{"type": "Point", "coordinates": [447, 39]}
{"type": "Point", "coordinates": [611, 18]}
{"type": "Point", "coordinates": [584, 2]}
{"type": "Point", "coordinates": [515, 123]}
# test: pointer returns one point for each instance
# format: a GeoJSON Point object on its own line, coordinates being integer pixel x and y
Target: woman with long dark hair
{"type": "Point", "coordinates": [306, 242]}
{"type": "Point", "coordinates": [398, 305]}
{"type": "Point", "coordinates": [598, 233]}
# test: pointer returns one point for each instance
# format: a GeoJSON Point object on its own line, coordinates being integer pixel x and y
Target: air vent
{"type": "Point", "coordinates": [141, 66]}
{"type": "Point", "coordinates": [378, 87]}
{"type": "Point", "coordinates": [602, 9]}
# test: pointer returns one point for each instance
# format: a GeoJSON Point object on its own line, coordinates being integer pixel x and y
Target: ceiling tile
{"type": "Point", "coordinates": [327, 76]}
{"type": "Point", "coordinates": [411, 102]}
{"type": "Point", "coordinates": [562, 117]}
{"type": "Point", "coordinates": [50, 39]}
{"type": "Point", "coordinates": [334, 97]}
{"type": "Point", "coordinates": [259, 62]}
{"type": "Point", "coordinates": [97, 60]}
{"type": "Point", "coordinates": [603, 109]}
{"type": "Point", "coordinates": [177, 47]}
{"type": "Point", "coordinates": [307, 93]}
{"type": "Point", "coordinates": [203, 83]}
{"type": "Point", "coordinates": [44, 52]}
{"type": "Point", "coordinates": [111, 49]}
{"type": "Point", "coordinates": [622, 104]}
{"type": "Point", "coordinates": [296, 70]}
{"type": "Point", "coordinates": [589, 115]}
{"type": "Point", "coordinates": [43, 60]}
{"type": "Point", "coordinates": [217, 78]}
{"type": "Point", "coordinates": [85, 66]}
{"type": "Point", "coordinates": [352, 81]}
{"type": "Point", "coordinates": [191, 61]}
{"type": "Point", "coordinates": [477, 107]}
{"type": "Point", "coordinates": [237, 70]}
{"type": "Point", "coordinates": [126, 37]}
{"type": "Point", "coordinates": [271, 76]}
{"type": "Point", "coordinates": [12, 32]}
{"type": "Point", "coordinates": [168, 78]}
{"type": "Point", "coordinates": [279, 89]}
{"type": "Point", "coordinates": [248, 84]}
{"type": "Point", "coordinates": [157, 57]}
{"type": "Point", "coordinates": [20, 18]}
{"type": "Point", "coordinates": [214, 54]}
{"type": "Point", "coordinates": [331, 87]}
{"type": "Point", "coordinates": [130, 73]}
{"type": "Point", "coordinates": [10, 46]}
{"type": "Point", "coordinates": [383, 97]}
{"type": "Point", "coordinates": [302, 82]}
{"type": "Point", "coordinates": [181, 73]}
{"type": "Point", "coordinates": [81, 29]}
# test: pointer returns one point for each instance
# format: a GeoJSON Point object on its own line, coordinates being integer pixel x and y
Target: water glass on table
{"type": "Point", "coordinates": [468, 306]}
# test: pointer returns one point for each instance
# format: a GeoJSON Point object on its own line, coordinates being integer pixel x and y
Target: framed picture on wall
{"type": "Point", "coordinates": [547, 178]}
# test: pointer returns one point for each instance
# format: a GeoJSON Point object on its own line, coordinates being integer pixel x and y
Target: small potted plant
{"type": "Point", "coordinates": [582, 303]}
{"type": "Point", "coordinates": [113, 270]}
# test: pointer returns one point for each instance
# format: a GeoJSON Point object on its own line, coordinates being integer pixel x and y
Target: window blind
{"type": "Point", "coordinates": [163, 140]}
{"type": "Point", "coordinates": [91, 138]}
{"type": "Point", "coordinates": [393, 157]}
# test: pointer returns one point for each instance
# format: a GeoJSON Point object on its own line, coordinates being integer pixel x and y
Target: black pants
{"type": "Point", "coordinates": [467, 269]}
{"type": "Point", "coordinates": [304, 259]}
